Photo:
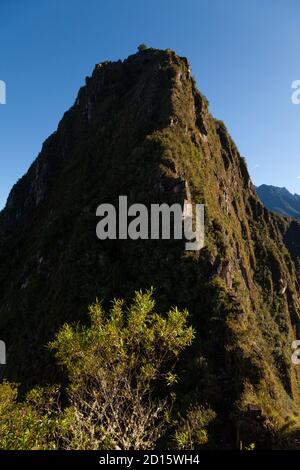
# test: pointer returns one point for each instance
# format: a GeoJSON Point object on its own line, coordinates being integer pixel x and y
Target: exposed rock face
{"type": "Point", "coordinates": [140, 128]}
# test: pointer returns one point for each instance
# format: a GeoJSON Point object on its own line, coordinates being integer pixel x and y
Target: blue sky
{"type": "Point", "coordinates": [244, 56]}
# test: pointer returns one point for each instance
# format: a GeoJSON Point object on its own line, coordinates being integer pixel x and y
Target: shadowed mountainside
{"type": "Point", "coordinates": [141, 128]}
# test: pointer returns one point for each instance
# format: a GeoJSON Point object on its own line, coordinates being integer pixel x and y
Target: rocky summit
{"type": "Point", "coordinates": [140, 128]}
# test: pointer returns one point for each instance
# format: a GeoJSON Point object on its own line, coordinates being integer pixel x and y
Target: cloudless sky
{"type": "Point", "coordinates": [244, 55]}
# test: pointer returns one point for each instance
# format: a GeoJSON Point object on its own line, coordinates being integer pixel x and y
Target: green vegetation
{"type": "Point", "coordinates": [142, 47]}
{"type": "Point", "coordinates": [121, 374]}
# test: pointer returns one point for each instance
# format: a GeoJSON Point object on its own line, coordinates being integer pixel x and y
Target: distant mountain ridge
{"type": "Point", "coordinates": [279, 200]}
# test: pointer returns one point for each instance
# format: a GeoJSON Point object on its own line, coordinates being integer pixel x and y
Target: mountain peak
{"type": "Point", "coordinates": [140, 128]}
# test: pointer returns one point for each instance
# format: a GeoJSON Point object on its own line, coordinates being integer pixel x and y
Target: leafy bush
{"type": "Point", "coordinates": [26, 425]}
{"type": "Point", "coordinates": [142, 47]}
{"type": "Point", "coordinates": [192, 431]}
{"type": "Point", "coordinates": [114, 366]}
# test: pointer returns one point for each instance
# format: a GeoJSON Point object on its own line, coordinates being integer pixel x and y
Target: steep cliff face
{"type": "Point", "coordinates": [140, 128]}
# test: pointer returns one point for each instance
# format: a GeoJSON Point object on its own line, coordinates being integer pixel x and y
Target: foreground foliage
{"type": "Point", "coordinates": [120, 370]}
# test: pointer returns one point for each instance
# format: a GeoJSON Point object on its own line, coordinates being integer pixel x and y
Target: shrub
{"type": "Point", "coordinates": [192, 431]}
{"type": "Point", "coordinates": [25, 426]}
{"type": "Point", "coordinates": [114, 366]}
{"type": "Point", "coordinates": [142, 47]}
